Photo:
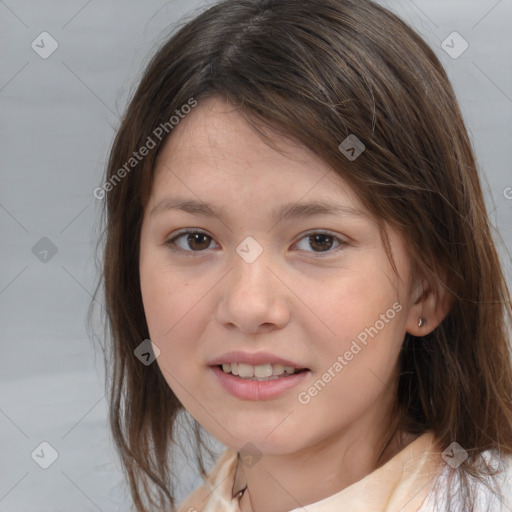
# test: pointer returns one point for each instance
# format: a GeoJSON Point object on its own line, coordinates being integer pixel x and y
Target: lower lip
{"type": "Point", "coordinates": [257, 390]}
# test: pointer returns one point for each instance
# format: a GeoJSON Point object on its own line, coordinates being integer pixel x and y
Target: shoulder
{"type": "Point", "coordinates": [216, 488]}
{"type": "Point", "coordinates": [492, 494]}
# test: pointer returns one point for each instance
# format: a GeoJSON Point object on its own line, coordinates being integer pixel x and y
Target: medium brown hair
{"type": "Point", "coordinates": [317, 71]}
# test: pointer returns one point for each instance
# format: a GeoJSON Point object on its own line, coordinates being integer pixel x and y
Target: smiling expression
{"type": "Point", "coordinates": [266, 265]}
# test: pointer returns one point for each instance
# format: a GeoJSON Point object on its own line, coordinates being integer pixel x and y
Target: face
{"type": "Point", "coordinates": [266, 264]}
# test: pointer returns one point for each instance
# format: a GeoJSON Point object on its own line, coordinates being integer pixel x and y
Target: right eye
{"type": "Point", "coordinates": [190, 241]}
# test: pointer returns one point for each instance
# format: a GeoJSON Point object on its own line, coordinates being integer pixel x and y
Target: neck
{"type": "Point", "coordinates": [279, 483]}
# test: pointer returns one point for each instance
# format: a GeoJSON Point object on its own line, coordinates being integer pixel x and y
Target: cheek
{"type": "Point", "coordinates": [353, 302]}
{"type": "Point", "coordinates": [168, 299]}
{"type": "Point", "coordinates": [175, 313]}
{"type": "Point", "coordinates": [366, 327]}
{"type": "Point", "coordinates": [163, 311]}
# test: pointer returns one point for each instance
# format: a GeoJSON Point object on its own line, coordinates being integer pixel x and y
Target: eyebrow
{"type": "Point", "coordinates": [285, 212]}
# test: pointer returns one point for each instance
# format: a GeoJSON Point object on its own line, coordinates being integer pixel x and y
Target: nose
{"type": "Point", "coordinates": [253, 298]}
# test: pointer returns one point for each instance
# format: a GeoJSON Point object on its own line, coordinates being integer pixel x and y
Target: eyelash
{"type": "Point", "coordinates": [172, 245]}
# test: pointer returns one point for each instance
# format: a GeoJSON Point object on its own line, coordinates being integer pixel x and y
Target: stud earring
{"type": "Point", "coordinates": [422, 321]}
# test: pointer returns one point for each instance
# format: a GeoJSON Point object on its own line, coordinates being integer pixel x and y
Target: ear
{"type": "Point", "coordinates": [432, 304]}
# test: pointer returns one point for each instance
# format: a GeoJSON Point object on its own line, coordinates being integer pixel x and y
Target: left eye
{"type": "Point", "coordinates": [320, 242]}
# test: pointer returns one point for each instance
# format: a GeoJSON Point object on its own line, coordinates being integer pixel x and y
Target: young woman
{"type": "Point", "coordinates": [294, 219]}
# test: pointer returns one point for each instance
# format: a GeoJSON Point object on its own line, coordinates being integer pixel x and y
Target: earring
{"type": "Point", "coordinates": [422, 321]}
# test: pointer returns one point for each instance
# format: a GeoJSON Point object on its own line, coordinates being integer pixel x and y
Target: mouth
{"type": "Point", "coordinates": [261, 372]}
{"type": "Point", "coordinates": [257, 375]}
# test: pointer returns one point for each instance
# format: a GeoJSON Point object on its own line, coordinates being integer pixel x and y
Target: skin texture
{"type": "Point", "coordinates": [297, 300]}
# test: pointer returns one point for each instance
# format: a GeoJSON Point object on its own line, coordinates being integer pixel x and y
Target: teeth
{"type": "Point", "coordinates": [277, 369]}
{"type": "Point", "coordinates": [261, 372]}
{"type": "Point", "coordinates": [246, 370]}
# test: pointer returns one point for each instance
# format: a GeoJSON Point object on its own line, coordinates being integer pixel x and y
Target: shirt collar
{"type": "Point", "coordinates": [402, 480]}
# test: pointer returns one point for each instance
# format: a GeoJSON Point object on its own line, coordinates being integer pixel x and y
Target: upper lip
{"type": "Point", "coordinates": [254, 359]}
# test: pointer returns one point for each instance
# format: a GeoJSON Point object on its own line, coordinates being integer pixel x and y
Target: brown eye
{"type": "Point", "coordinates": [198, 241]}
{"type": "Point", "coordinates": [320, 242]}
{"type": "Point", "coordinates": [191, 241]}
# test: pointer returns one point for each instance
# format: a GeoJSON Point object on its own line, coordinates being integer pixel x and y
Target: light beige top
{"type": "Point", "coordinates": [402, 484]}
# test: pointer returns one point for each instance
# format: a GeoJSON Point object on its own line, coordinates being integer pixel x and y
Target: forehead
{"type": "Point", "coordinates": [214, 149]}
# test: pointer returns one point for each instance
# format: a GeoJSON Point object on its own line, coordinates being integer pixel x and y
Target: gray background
{"type": "Point", "coordinates": [58, 117]}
